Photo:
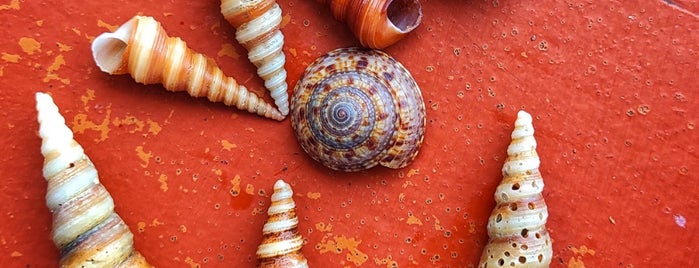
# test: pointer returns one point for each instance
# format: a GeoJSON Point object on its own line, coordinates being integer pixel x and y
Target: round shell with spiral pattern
{"type": "Point", "coordinates": [355, 108]}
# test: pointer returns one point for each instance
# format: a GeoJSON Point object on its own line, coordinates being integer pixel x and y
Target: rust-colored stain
{"type": "Point", "coordinates": [611, 87]}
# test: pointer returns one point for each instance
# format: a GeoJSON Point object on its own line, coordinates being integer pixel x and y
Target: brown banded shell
{"type": "Point", "coordinates": [86, 229]}
{"type": "Point", "coordinates": [517, 225]}
{"type": "Point", "coordinates": [355, 108]}
{"type": "Point", "coordinates": [282, 242]}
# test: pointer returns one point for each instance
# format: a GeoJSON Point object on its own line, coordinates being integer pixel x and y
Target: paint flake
{"type": "Point", "coordinates": [339, 244]}
{"type": "Point", "coordinates": [13, 58]}
{"type": "Point", "coordinates": [107, 26]}
{"type": "Point", "coordinates": [313, 195]}
{"type": "Point", "coordinates": [51, 71]}
{"type": "Point", "coordinates": [144, 156]}
{"type": "Point", "coordinates": [82, 123]}
{"type": "Point", "coordinates": [29, 45]}
{"type": "Point", "coordinates": [163, 182]}
{"type": "Point", "coordinates": [227, 145]}
{"type": "Point", "coordinates": [228, 50]}
{"type": "Point", "coordinates": [14, 4]}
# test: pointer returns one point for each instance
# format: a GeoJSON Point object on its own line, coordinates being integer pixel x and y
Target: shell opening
{"type": "Point", "coordinates": [405, 14]}
{"type": "Point", "coordinates": [108, 48]}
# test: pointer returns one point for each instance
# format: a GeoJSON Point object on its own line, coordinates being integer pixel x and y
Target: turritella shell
{"type": "Point", "coordinates": [377, 23]}
{"type": "Point", "coordinates": [354, 109]}
{"type": "Point", "coordinates": [86, 229]}
{"type": "Point", "coordinates": [517, 225]}
{"type": "Point", "coordinates": [257, 25]}
{"type": "Point", "coordinates": [281, 245]}
{"type": "Point", "coordinates": [142, 48]}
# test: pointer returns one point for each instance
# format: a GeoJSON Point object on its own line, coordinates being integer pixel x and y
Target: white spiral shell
{"type": "Point", "coordinates": [517, 225]}
{"type": "Point", "coordinates": [86, 229]}
{"type": "Point", "coordinates": [257, 24]}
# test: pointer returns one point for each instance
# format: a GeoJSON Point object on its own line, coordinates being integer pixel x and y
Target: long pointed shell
{"type": "Point", "coordinates": [142, 48]}
{"type": "Point", "coordinates": [517, 225]}
{"type": "Point", "coordinates": [377, 23]}
{"type": "Point", "coordinates": [356, 108]}
{"type": "Point", "coordinates": [86, 229]}
{"type": "Point", "coordinates": [281, 245]}
{"type": "Point", "coordinates": [257, 25]}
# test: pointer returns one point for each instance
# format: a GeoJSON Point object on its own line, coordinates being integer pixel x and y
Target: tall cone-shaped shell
{"type": "Point", "coordinates": [517, 225]}
{"type": "Point", "coordinates": [377, 23]}
{"type": "Point", "coordinates": [142, 48]}
{"type": "Point", "coordinates": [281, 245]}
{"type": "Point", "coordinates": [257, 25]}
{"type": "Point", "coordinates": [86, 229]}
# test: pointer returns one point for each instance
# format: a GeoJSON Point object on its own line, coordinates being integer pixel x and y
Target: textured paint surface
{"type": "Point", "coordinates": [611, 85]}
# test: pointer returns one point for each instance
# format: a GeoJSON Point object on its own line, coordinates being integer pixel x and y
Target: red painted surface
{"type": "Point", "coordinates": [612, 86]}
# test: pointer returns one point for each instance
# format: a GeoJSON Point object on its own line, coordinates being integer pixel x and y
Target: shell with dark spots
{"type": "Point", "coordinates": [355, 108]}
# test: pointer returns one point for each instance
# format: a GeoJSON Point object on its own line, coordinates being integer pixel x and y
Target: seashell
{"type": "Point", "coordinates": [142, 48]}
{"type": "Point", "coordinates": [517, 225]}
{"type": "Point", "coordinates": [257, 29]}
{"type": "Point", "coordinates": [377, 23]}
{"type": "Point", "coordinates": [86, 229]}
{"type": "Point", "coordinates": [355, 108]}
{"type": "Point", "coordinates": [281, 245]}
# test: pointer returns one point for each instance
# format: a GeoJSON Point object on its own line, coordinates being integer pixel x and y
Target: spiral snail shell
{"type": "Point", "coordinates": [86, 229]}
{"type": "Point", "coordinates": [377, 23]}
{"type": "Point", "coordinates": [257, 25]}
{"type": "Point", "coordinates": [356, 108]}
{"type": "Point", "coordinates": [281, 245]}
{"type": "Point", "coordinates": [142, 48]}
{"type": "Point", "coordinates": [517, 225]}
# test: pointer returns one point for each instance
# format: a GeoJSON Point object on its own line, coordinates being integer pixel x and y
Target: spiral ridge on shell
{"type": "Point", "coordinates": [142, 48]}
{"type": "Point", "coordinates": [86, 229]}
{"type": "Point", "coordinates": [377, 23]}
{"type": "Point", "coordinates": [281, 244]}
{"type": "Point", "coordinates": [517, 225]}
{"type": "Point", "coordinates": [356, 108]}
{"type": "Point", "coordinates": [257, 24]}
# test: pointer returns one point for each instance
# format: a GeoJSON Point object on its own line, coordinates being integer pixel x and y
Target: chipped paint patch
{"type": "Point", "coordinates": [82, 123]}
{"type": "Point", "coordinates": [412, 220]}
{"type": "Point", "coordinates": [29, 45]}
{"type": "Point", "coordinates": [63, 47]}
{"type": "Point", "coordinates": [340, 244]}
{"type": "Point", "coordinates": [107, 26]}
{"type": "Point", "coordinates": [89, 96]}
{"type": "Point", "coordinates": [144, 156]}
{"type": "Point", "coordinates": [16, 254]}
{"type": "Point", "coordinates": [51, 70]}
{"type": "Point", "coordinates": [322, 227]}
{"type": "Point", "coordinates": [228, 50]}
{"type": "Point", "coordinates": [14, 4]}
{"type": "Point", "coordinates": [227, 145]}
{"type": "Point", "coordinates": [12, 58]}
{"type": "Point", "coordinates": [577, 260]}
{"type": "Point", "coordinates": [192, 263]}
{"type": "Point", "coordinates": [313, 195]}
{"type": "Point", "coordinates": [250, 189]}
{"type": "Point", "coordinates": [235, 185]}
{"type": "Point", "coordinates": [163, 182]}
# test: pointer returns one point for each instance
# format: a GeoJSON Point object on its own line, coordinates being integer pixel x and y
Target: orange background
{"type": "Point", "coordinates": [612, 87]}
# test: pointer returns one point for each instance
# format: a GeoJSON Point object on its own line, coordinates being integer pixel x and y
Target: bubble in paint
{"type": "Point", "coordinates": [681, 221]}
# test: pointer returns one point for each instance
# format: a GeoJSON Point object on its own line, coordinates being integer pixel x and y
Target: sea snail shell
{"type": "Point", "coordinates": [257, 25]}
{"type": "Point", "coordinates": [86, 229]}
{"type": "Point", "coordinates": [517, 225]}
{"type": "Point", "coordinates": [142, 48]}
{"type": "Point", "coordinates": [377, 23]}
{"type": "Point", "coordinates": [281, 245]}
{"type": "Point", "coordinates": [354, 109]}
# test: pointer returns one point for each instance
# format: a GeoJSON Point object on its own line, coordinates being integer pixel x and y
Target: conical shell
{"type": "Point", "coordinates": [281, 245]}
{"type": "Point", "coordinates": [377, 23]}
{"type": "Point", "coordinates": [142, 48]}
{"type": "Point", "coordinates": [517, 225]}
{"type": "Point", "coordinates": [257, 25]}
{"type": "Point", "coordinates": [86, 229]}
